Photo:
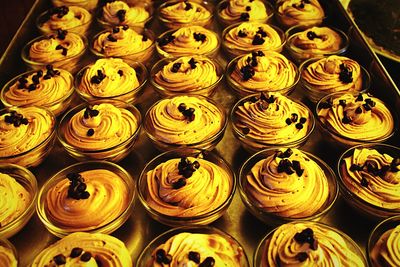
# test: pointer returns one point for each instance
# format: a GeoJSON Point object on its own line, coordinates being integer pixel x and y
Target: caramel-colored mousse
{"type": "Point", "coordinates": [187, 187]}
{"type": "Point", "coordinates": [89, 5]}
{"type": "Point", "coordinates": [7, 257]}
{"type": "Point", "coordinates": [189, 40]}
{"type": "Point", "coordinates": [14, 199]}
{"type": "Point", "coordinates": [316, 40]}
{"type": "Point", "coordinates": [373, 177]}
{"type": "Point", "coordinates": [187, 249]}
{"type": "Point", "coordinates": [108, 77]}
{"type": "Point", "coordinates": [295, 12]}
{"type": "Point", "coordinates": [333, 74]}
{"type": "Point", "coordinates": [46, 87]}
{"type": "Point", "coordinates": [100, 127]}
{"type": "Point", "coordinates": [386, 251]}
{"type": "Point", "coordinates": [288, 184]}
{"type": "Point", "coordinates": [87, 200]}
{"type": "Point", "coordinates": [272, 119]}
{"type": "Point", "coordinates": [66, 18]}
{"type": "Point", "coordinates": [187, 74]}
{"type": "Point", "coordinates": [233, 11]}
{"type": "Point", "coordinates": [184, 120]}
{"type": "Point", "coordinates": [120, 13]}
{"type": "Point", "coordinates": [264, 71]}
{"type": "Point", "coordinates": [361, 118]}
{"type": "Point", "coordinates": [308, 244]}
{"type": "Point", "coordinates": [84, 249]}
{"type": "Point", "coordinates": [252, 36]}
{"type": "Point", "coordinates": [187, 12]}
{"type": "Point", "coordinates": [24, 128]}
{"type": "Point", "coordinates": [122, 41]}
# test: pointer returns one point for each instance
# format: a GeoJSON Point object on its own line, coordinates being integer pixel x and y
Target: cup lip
{"type": "Point", "coordinates": [239, 133]}
{"type": "Point", "coordinates": [329, 173]}
{"type": "Point", "coordinates": [25, 51]}
{"type": "Point", "coordinates": [239, 52]}
{"type": "Point", "coordinates": [292, 31]}
{"type": "Point", "coordinates": [39, 22]}
{"type": "Point", "coordinates": [365, 76]}
{"type": "Point", "coordinates": [191, 145]}
{"type": "Point", "coordinates": [86, 165]}
{"type": "Point", "coordinates": [173, 154]}
{"type": "Point", "coordinates": [355, 247]}
{"type": "Point", "coordinates": [7, 244]}
{"type": "Point", "coordinates": [149, 33]}
{"type": "Point", "coordinates": [382, 225]}
{"type": "Point", "coordinates": [358, 141]}
{"type": "Point", "coordinates": [45, 141]}
{"type": "Point", "coordinates": [164, 61]}
{"type": "Point", "coordinates": [268, 6]}
{"type": "Point", "coordinates": [11, 82]}
{"type": "Point", "coordinates": [80, 107]}
{"type": "Point", "coordinates": [134, 64]}
{"type": "Point", "coordinates": [105, 24]}
{"type": "Point", "coordinates": [164, 54]}
{"type": "Point", "coordinates": [355, 197]}
{"type": "Point", "coordinates": [203, 3]}
{"type": "Point", "coordinates": [33, 190]}
{"type": "Point", "coordinates": [241, 90]}
{"type": "Point", "coordinates": [191, 229]}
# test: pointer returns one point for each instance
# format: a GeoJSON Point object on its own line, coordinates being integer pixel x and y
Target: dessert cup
{"type": "Point", "coordinates": [291, 13]}
{"type": "Point", "coordinates": [270, 127]}
{"type": "Point", "coordinates": [124, 80]}
{"type": "Point", "coordinates": [63, 208]}
{"type": "Point", "coordinates": [332, 246]}
{"type": "Point", "coordinates": [245, 37]}
{"type": "Point", "coordinates": [218, 245]}
{"type": "Point", "coordinates": [203, 79]}
{"type": "Point", "coordinates": [131, 45]}
{"type": "Point", "coordinates": [54, 91]}
{"type": "Point", "coordinates": [366, 184]}
{"type": "Point", "coordinates": [189, 121]}
{"type": "Point", "coordinates": [276, 197]}
{"type": "Point", "coordinates": [8, 254]}
{"type": "Point", "coordinates": [383, 246]}
{"type": "Point", "coordinates": [136, 15]}
{"type": "Point", "coordinates": [273, 73]}
{"type": "Point", "coordinates": [353, 119]}
{"type": "Point", "coordinates": [89, 5]}
{"type": "Point", "coordinates": [234, 11]}
{"type": "Point", "coordinates": [174, 14]}
{"type": "Point", "coordinates": [100, 130]}
{"type": "Point", "coordinates": [31, 129]}
{"type": "Point", "coordinates": [74, 19]}
{"type": "Point", "coordinates": [85, 249]}
{"type": "Point", "coordinates": [315, 42]}
{"type": "Point", "coordinates": [28, 181]}
{"type": "Point", "coordinates": [194, 198]}
{"type": "Point", "coordinates": [189, 40]}
{"type": "Point", "coordinates": [45, 52]}
{"type": "Point", "coordinates": [323, 78]}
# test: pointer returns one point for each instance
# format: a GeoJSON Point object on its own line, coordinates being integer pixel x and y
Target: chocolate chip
{"type": "Point", "coordinates": [358, 110]}
{"type": "Point", "coordinates": [85, 195]}
{"type": "Point", "coordinates": [262, 105]}
{"type": "Point", "coordinates": [59, 47]}
{"type": "Point", "coordinates": [76, 252]}
{"type": "Point", "coordinates": [242, 34]}
{"type": "Point", "coordinates": [182, 107]}
{"type": "Point", "coordinates": [90, 132]}
{"type": "Point", "coordinates": [77, 187]}
{"type": "Point", "coordinates": [60, 259]}
{"type": "Point", "coordinates": [121, 14]}
{"type": "Point", "coordinates": [327, 104]}
{"type": "Point", "coordinates": [208, 262]}
{"type": "Point", "coordinates": [24, 121]}
{"type": "Point", "coordinates": [367, 107]}
{"type": "Point", "coordinates": [166, 39]}
{"type": "Point", "coordinates": [200, 37]}
{"type": "Point", "coordinates": [86, 257]}
{"type": "Point", "coordinates": [192, 63]}
{"type": "Point", "coordinates": [125, 27]}
{"type": "Point", "coordinates": [346, 120]}
{"type": "Point", "coordinates": [364, 182]}
{"type": "Point", "coordinates": [393, 165]}
{"type": "Point", "coordinates": [248, 8]}
{"type": "Point", "coordinates": [64, 51]}
{"type": "Point", "coordinates": [311, 35]}
{"type": "Point", "coordinates": [120, 72]}
{"type": "Point", "coordinates": [288, 121]}
{"type": "Point", "coordinates": [262, 32]}
{"type": "Point", "coordinates": [194, 256]}
{"type": "Point", "coordinates": [294, 117]}
{"type": "Point", "coordinates": [299, 126]}
{"type": "Point", "coordinates": [305, 236]}
{"type": "Point", "coordinates": [162, 257]}
{"type": "Point", "coordinates": [258, 40]}
{"type": "Point", "coordinates": [144, 38]}
{"type": "Point", "coordinates": [32, 87]}
{"type": "Point", "coordinates": [61, 34]}
{"type": "Point", "coordinates": [355, 167]}
{"type": "Point", "coordinates": [245, 131]}
{"type": "Point", "coordinates": [359, 98]}
{"type": "Point", "coordinates": [181, 182]}
{"type": "Point", "coordinates": [175, 67]}
{"type": "Point", "coordinates": [115, 30]}
{"type": "Point", "coordinates": [345, 75]}
{"type": "Point", "coordinates": [244, 16]}
{"type": "Point", "coordinates": [188, 6]}
{"type": "Point", "coordinates": [247, 72]}
{"type": "Point", "coordinates": [111, 38]}
{"type": "Point", "coordinates": [301, 256]}
{"type": "Point", "coordinates": [285, 165]}
{"type": "Point", "coordinates": [303, 120]}
{"type": "Point", "coordinates": [342, 102]}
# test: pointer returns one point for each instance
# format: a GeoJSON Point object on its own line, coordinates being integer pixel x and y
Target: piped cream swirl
{"type": "Point", "coordinates": [75, 17]}
{"type": "Point", "coordinates": [234, 9]}
{"type": "Point", "coordinates": [7, 257]}
{"type": "Point", "coordinates": [317, 40]}
{"type": "Point", "coordinates": [288, 195]}
{"type": "Point", "coordinates": [295, 12]}
{"type": "Point", "coordinates": [386, 251]}
{"type": "Point", "coordinates": [112, 126]}
{"type": "Point", "coordinates": [281, 248]}
{"type": "Point", "coordinates": [185, 12]}
{"type": "Point", "coordinates": [108, 199]}
{"type": "Point", "coordinates": [353, 120]}
{"type": "Point", "coordinates": [133, 14]}
{"type": "Point", "coordinates": [105, 250]}
{"type": "Point", "coordinates": [14, 200]}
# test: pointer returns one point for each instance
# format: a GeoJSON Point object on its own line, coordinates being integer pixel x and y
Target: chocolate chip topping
{"type": "Point", "coordinates": [77, 187]}
{"type": "Point", "coordinates": [111, 38]}
{"type": "Point", "coordinates": [163, 257]}
{"type": "Point", "coordinates": [194, 256]}
{"type": "Point", "coordinates": [76, 252]}
{"type": "Point", "coordinates": [90, 112]}
{"type": "Point", "coordinates": [121, 15]}
{"type": "Point", "coordinates": [247, 72]}
{"type": "Point", "coordinates": [200, 37]}
{"type": "Point", "coordinates": [364, 182]}
{"type": "Point", "coordinates": [262, 32]}
{"type": "Point", "coordinates": [59, 259]}
{"type": "Point", "coordinates": [90, 132]}
{"type": "Point", "coordinates": [121, 72]}
{"type": "Point", "coordinates": [301, 256]}
{"type": "Point", "coordinates": [285, 154]}
{"type": "Point", "coordinates": [345, 75]}
{"type": "Point", "coordinates": [86, 257]}
{"type": "Point", "coordinates": [208, 262]}
{"type": "Point", "coordinates": [188, 6]}
{"type": "Point", "coordinates": [175, 67]}
{"type": "Point", "coordinates": [248, 8]}
{"type": "Point", "coordinates": [98, 78]}
{"type": "Point", "coordinates": [258, 39]}
{"type": "Point", "coordinates": [125, 27]}
{"type": "Point", "coordinates": [167, 38]}
{"type": "Point", "coordinates": [59, 11]}
{"type": "Point", "coordinates": [312, 35]}
{"type": "Point", "coordinates": [61, 34]}
{"type": "Point", "coordinates": [327, 104]}
{"type": "Point", "coordinates": [244, 16]}
{"type": "Point", "coordinates": [242, 34]}
{"type": "Point", "coordinates": [359, 98]}
{"type": "Point", "coordinates": [245, 131]}
{"type": "Point", "coordinates": [306, 236]}
{"type": "Point", "coordinates": [192, 63]}
{"type": "Point", "coordinates": [187, 112]}
{"type": "Point", "coordinates": [116, 30]}
{"type": "Point", "coordinates": [16, 119]}
{"type": "Point", "coordinates": [187, 168]}
{"type": "Point", "coordinates": [181, 182]}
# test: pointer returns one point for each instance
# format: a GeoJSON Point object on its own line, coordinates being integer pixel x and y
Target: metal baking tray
{"type": "Point", "coordinates": [140, 229]}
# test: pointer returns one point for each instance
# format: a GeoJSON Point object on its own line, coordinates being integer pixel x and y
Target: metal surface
{"type": "Point", "coordinates": [140, 229]}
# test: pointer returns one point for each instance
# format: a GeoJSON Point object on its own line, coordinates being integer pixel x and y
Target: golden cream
{"type": "Point", "coordinates": [386, 251]}
{"type": "Point", "coordinates": [120, 13]}
{"type": "Point", "coordinates": [294, 12]}
{"type": "Point", "coordinates": [188, 12]}
{"type": "Point", "coordinates": [233, 11]}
